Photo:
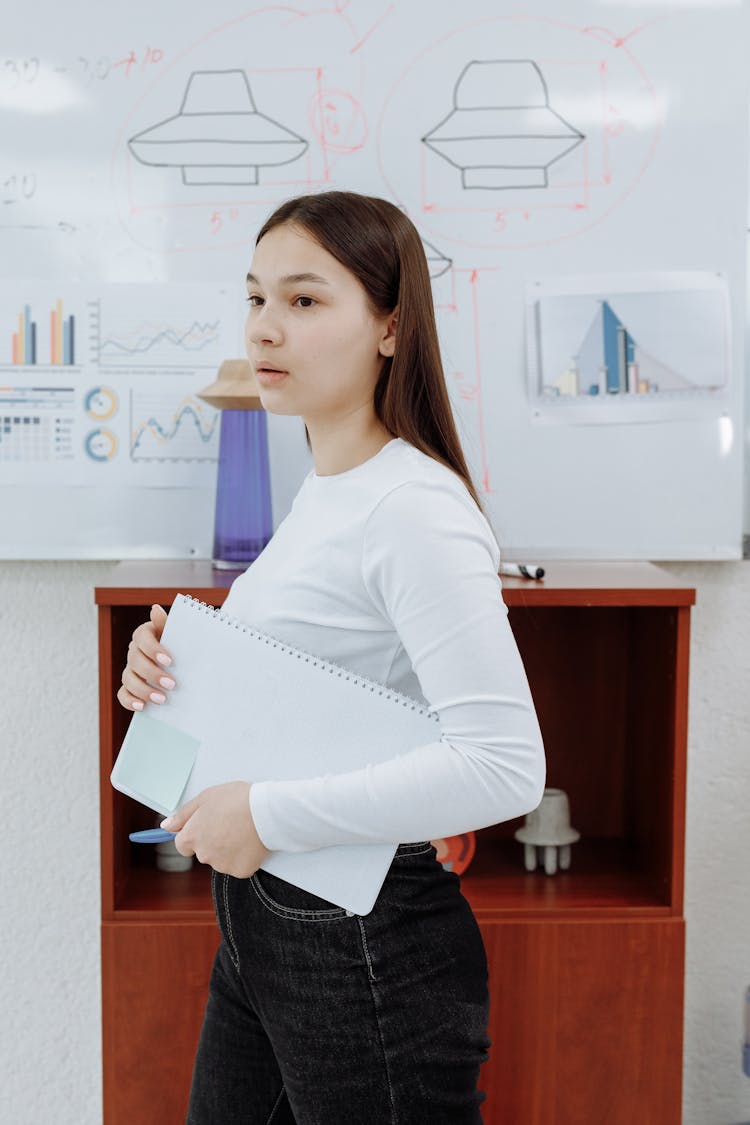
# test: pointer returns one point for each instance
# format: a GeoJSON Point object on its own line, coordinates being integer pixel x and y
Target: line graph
{"type": "Point", "coordinates": [170, 427]}
{"type": "Point", "coordinates": [164, 337]}
{"type": "Point", "coordinates": [150, 336]}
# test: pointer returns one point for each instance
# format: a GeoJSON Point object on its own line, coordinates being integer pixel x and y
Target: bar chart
{"type": "Point", "coordinates": [26, 350]}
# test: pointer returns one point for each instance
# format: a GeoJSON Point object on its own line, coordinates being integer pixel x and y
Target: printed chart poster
{"type": "Point", "coordinates": [99, 385]}
{"type": "Point", "coordinates": [628, 349]}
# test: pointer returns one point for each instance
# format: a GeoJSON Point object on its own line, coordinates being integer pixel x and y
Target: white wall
{"type": "Point", "coordinates": [49, 983]}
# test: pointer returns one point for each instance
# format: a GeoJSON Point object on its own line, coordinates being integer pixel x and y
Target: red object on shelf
{"type": "Point", "coordinates": [456, 852]}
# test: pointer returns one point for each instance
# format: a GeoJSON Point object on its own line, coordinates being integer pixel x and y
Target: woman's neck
{"type": "Point", "coordinates": [338, 450]}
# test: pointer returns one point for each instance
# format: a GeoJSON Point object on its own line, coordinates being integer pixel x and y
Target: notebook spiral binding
{"type": "Point", "coordinates": [317, 661]}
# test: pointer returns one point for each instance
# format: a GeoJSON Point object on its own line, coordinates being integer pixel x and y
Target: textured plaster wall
{"type": "Point", "coordinates": [50, 1057]}
{"type": "Point", "coordinates": [717, 855]}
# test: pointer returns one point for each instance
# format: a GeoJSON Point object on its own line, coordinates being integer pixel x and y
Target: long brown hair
{"type": "Point", "coordinates": [381, 246]}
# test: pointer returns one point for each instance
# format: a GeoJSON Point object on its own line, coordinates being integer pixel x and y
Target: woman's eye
{"type": "Point", "coordinates": [253, 300]}
{"type": "Point", "coordinates": [308, 302]}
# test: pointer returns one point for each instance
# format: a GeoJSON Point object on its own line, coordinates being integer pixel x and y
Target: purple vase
{"type": "Point", "coordinates": [242, 524]}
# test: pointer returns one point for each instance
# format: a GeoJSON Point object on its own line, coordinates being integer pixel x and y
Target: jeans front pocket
{"type": "Point", "coordinates": [288, 901]}
{"type": "Point", "coordinates": [220, 895]}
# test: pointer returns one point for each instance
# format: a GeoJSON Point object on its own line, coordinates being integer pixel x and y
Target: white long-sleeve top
{"type": "Point", "coordinates": [390, 570]}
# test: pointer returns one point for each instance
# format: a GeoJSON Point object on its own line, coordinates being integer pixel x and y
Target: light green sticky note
{"type": "Point", "coordinates": [154, 762]}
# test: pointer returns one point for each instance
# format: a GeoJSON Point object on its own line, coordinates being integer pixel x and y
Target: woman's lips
{"type": "Point", "coordinates": [266, 375]}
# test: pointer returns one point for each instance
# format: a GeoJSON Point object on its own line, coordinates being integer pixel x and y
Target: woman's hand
{"type": "Point", "coordinates": [143, 669]}
{"type": "Point", "coordinates": [217, 827]}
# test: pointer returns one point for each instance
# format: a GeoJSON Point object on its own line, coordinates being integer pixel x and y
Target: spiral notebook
{"type": "Point", "coordinates": [249, 707]}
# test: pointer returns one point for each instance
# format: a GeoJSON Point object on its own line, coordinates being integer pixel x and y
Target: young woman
{"type": "Point", "coordinates": [387, 565]}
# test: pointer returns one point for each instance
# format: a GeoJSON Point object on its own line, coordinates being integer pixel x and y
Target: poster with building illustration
{"type": "Point", "coordinates": [622, 349]}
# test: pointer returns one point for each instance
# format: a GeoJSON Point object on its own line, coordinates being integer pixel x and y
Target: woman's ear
{"type": "Point", "coordinates": [387, 345]}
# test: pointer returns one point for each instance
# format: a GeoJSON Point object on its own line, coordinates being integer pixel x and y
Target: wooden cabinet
{"type": "Point", "coordinates": [586, 966]}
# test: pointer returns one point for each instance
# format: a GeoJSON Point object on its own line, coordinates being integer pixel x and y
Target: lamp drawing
{"type": "Point", "coordinates": [218, 136]}
{"type": "Point", "coordinates": [502, 132]}
{"type": "Point", "coordinates": [437, 263]}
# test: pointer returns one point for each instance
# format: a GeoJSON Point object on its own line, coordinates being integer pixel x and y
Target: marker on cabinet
{"type": "Point", "coordinates": [521, 570]}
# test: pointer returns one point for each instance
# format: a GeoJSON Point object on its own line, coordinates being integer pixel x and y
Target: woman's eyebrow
{"type": "Point", "coordinates": [293, 279]}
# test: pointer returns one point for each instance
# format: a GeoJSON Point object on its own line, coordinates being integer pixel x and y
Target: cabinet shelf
{"type": "Point", "coordinates": [604, 880]}
{"type": "Point", "coordinates": [176, 896]}
{"type": "Point", "coordinates": [605, 647]}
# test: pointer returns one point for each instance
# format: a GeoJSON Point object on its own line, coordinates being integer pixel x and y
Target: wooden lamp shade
{"type": "Point", "coordinates": [235, 387]}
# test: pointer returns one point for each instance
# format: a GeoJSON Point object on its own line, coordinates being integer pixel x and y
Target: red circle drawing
{"type": "Point", "coordinates": [429, 211]}
{"type": "Point", "coordinates": [338, 121]}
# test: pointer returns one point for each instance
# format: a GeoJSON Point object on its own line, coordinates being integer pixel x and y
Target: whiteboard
{"type": "Point", "coordinates": [572, 149]}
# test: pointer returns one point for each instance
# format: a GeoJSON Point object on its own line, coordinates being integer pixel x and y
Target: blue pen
{"type": "Point", "coordinates": [152, 836]}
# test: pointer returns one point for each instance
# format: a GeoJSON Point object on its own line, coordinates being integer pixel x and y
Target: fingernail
{"type": "Point", "coordinates": [166, 823]}
{"type": "Point", "coordinates": [157, 697]}
{"type": "Point", "coordinates": [137, 704]}
{"type": "Point", "coordinates": [163, 658]}
{"type": "Point", "coordinates": [166, 682]}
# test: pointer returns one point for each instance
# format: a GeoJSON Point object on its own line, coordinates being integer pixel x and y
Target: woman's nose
{"type": "Point", "coordinates": [263, 327]}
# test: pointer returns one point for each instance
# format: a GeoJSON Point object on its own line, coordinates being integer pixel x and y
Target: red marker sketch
{"type": "Point", "coordinates": [612, 40]}
{"type": "Point", "coordinates": [374, 27]}
{"type": "Point", "coordinates": [338, 121]}
{"type": "Point", "coordinates": [150, 56]}
{"type": "Point", "coordinates": [528, 150]}
{"type": "Point", "coordinates": [305, 79]}
{"type": "Point", "coordinates": [467, 378]}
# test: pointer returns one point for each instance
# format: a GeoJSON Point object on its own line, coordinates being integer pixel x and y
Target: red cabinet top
{"type": "Point", "coordinates": [596, 583]}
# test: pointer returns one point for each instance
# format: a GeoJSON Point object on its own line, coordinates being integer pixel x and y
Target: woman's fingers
{"type": "Point", "coordinates": [143, 687]}
{"type": "Point", "coordinates": [148, 635]}
{"type": "Point", "coordinates": [158, 619]}
{"type": "Point", "coordinates": [145, 677]}
{"type": "Point", "coordinates": [146, 643]}
{"type": "Point", "coordinates": [128, 700]}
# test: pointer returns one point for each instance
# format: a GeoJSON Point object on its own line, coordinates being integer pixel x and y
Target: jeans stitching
{"type": "Point", "coordinates": [368, 959]}
{"type": "Point", "coordinates": [333, 914]}
{"type": "Point", "coordinates": [421, 851]}
{"type": "Point", "coordinates": [230, 934]}
{"type": "Point", "coordinates": [394, 1119]}
{"type": "Point", "coordinates": [276, 1105]}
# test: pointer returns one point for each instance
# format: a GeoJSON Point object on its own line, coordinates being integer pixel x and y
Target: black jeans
{"type": "Point", "coordinates": [317, 1016]}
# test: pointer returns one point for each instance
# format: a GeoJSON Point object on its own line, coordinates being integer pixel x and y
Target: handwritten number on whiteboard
{"type": "Point", "coordinates": [30, 69]}
{"type": "Point", "coordinates": [10, 70]}
{"type": "Point", "coordinates": [16, 187]}
{"type": "Point", "coordinates": [16, 72]}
